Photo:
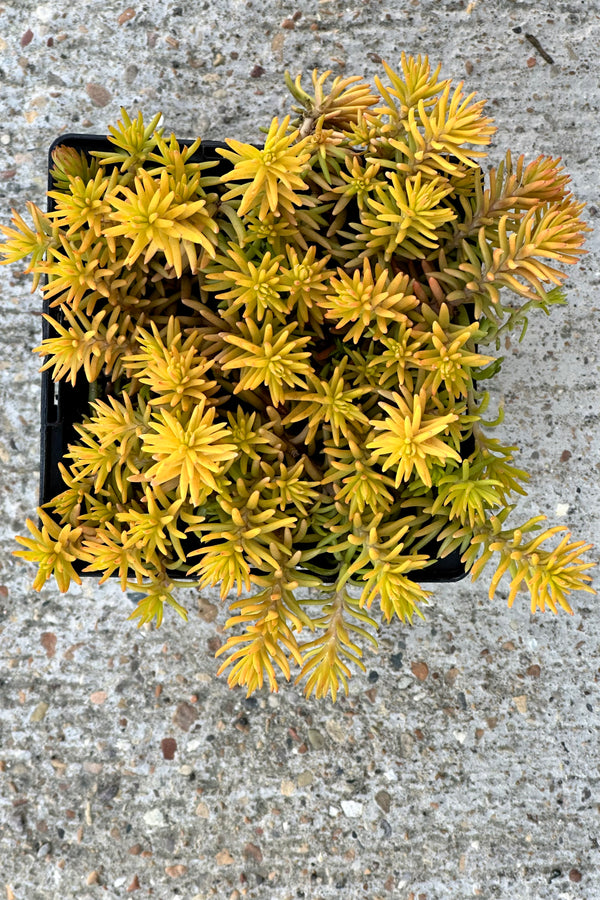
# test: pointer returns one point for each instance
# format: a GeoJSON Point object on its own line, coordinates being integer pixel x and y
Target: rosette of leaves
{"type": "Point", "coordinates": [286, 365]}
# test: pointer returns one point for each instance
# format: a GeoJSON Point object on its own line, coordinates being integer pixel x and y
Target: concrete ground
{"type": "Point", "coordinates": [466, 761]}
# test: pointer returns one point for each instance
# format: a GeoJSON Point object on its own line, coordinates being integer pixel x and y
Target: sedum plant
{"type": "Point", "coordinates": [286, 365]}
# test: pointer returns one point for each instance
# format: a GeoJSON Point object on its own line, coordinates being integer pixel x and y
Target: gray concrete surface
{"type": "Point", "coordinates": [480, 780]}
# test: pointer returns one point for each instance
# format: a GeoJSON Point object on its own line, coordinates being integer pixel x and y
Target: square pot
{"type": "Point", "coordinates": [63, 405]}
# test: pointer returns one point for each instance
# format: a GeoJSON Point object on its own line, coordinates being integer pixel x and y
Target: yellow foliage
{"type": "Point", "coordinates": [284, 365]}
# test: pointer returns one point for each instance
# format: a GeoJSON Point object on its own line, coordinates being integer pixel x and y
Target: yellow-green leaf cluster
{"type": "Point", "coordinates": [280, 348]}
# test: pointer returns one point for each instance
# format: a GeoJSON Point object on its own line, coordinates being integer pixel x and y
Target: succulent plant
{"type": "Point", "coordinates": [286, 366]}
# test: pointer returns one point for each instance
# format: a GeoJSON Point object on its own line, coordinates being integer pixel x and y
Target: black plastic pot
{"type": "Point", "coordinates": [63, 405]}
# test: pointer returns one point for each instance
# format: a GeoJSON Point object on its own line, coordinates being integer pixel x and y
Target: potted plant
{"type": "Point", "coordinates": [279, 365]}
